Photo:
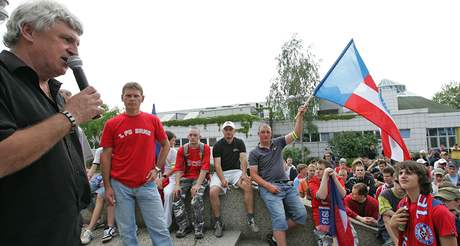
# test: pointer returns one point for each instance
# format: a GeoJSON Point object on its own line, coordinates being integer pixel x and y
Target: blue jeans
{"type": "Point", "coordinates": [149, 202]}
{"type": "Point", "coordinates": [283, 205]}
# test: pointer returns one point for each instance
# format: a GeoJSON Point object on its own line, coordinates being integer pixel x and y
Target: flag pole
{"type": "Point", "coordinates": [308, 100]}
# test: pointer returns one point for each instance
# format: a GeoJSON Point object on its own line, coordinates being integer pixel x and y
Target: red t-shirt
{"type": "Point", "coordinates": [370, 208]}
{"type": "Point", "coordinates": [132, 139]}
{"type": "Point", "coordinates": [194, 163]}
{"type": "Point", "coordinates": [443, 222]}
{"type": "Point", "coordinates": [313, 185]}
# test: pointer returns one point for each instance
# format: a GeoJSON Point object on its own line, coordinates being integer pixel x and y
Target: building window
{"type": "Point", "coordinates": [177, 143]}
{"type": "Point", "coordinates": [315, 137]}
{"type": "Point", "coordinates": [437, 136]}
{"type": "Point", "coordinates": [326, 136]}
{"type": "Point", "coordinates": [212, 141]}
{"type": "Point", "coordinates": [405, 133]}
{"type": "Point", "coordinates": [204, 140]}
{"type": "Point", "coordinates": [184, 141]}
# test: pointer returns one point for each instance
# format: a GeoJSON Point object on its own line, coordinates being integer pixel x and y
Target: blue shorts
{"type": "Point", "coordinates": [283, 205]}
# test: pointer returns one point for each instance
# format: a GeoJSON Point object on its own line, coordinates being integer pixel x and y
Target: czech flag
{"type": "Point", "coordinates": [340, 226]}
{"type": "Point", "coordinates": [349, 84]}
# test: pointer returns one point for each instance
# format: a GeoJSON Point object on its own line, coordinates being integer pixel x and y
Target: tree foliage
{"type": "Point", "coordinates": [295, 154]}
{"type": "Point", "coordinates": [351, 144]}
{"type": "Point", "coordinates": [449, 95]}
{"type": "Point", "coordinates": [93, 129]}
{"type": "Point", "coordinates": [296, 78]}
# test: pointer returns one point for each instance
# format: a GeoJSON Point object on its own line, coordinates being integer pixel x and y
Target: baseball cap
{"type": "Point", "coordinates": [228, 123]}
{"type": "Point", "coordinates": [448, 193]}
{"type": "Point", "coordinates": [451, 164]}
{"type": "Point", "coordinates": [439, 171]}
{"type": "Point", "coordinates": [343, 160]}
{"type": "Point", "coordinates": [440, 161]}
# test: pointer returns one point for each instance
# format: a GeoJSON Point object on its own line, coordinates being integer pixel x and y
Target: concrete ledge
{"type": "Point", "coordinates": [234, 218]}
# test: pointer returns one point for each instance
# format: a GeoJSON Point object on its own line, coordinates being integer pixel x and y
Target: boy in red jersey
{"type": "Point", "coordinates": [421, 219]}
{"type": "Point", "coordinates": [192, 167]}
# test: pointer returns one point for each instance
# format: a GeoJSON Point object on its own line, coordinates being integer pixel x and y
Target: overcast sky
{"type": "Point", "coordinates": [190, 54]}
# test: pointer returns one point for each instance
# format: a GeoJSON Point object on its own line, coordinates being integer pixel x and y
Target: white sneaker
{"type": "Point", "coordinates": [86, 237]}
{"type": "Point", "coordinates": [109, 233]}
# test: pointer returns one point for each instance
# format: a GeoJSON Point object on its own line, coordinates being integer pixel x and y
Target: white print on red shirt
{"type": "Point", "coordinates": [136, 131]}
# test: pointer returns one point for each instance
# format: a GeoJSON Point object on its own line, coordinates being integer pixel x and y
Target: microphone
{"type": "Point", "coordinates": [75, 63]}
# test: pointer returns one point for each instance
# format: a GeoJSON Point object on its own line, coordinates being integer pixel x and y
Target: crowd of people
{"type": "Point", "coordinates": [44, 184]}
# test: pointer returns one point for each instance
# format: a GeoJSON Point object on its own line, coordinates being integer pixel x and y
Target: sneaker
{"type": "Point", "coordinates": [199, 233]}
{"type": "Point", "coordinates": [109, 233]}
{"type": "Point", "coordinates": [271, 240]}
{"type": "Point", "coordinates": [252, 225]}
{"type": "Point", "coordinates": [182, 232]}
{"type": "Point", "coordinates": [218, 229]}
{"type": "Point", "coordinates": [86, 237]}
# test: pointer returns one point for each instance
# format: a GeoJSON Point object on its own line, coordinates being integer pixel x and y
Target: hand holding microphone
{"type": "Point", "coordinates": [84, 106]}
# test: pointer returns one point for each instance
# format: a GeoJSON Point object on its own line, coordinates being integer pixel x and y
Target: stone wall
{"type": "Point", "coordinates": [234, 218]}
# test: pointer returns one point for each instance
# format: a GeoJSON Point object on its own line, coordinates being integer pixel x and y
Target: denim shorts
{"type": "Point", "coordinates": [284, 205]}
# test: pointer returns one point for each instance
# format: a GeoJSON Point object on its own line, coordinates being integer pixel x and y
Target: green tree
{"type": "Point", "coordinates": [351, 144]}
{"type": "Point", "coordinates": [449, 94]}
{"type": "Point", "coordinates": [296, 78]}
{"type": "Point", "coordinates": [93, 129]}
{"type": "Point", "coordinates": [295, 154]}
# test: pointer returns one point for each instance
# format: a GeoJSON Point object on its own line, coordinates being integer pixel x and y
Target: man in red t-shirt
{"type": "Point", "coordinates": [129, 168]}
{"type": "Point", "coordinates": [421, 219]}
{"type": "Point", "coordinates": [361, 206]}
{"type": "Point", "coordinates": [320, 199]}
{"type": "Point", "coordinates": [192, 168]}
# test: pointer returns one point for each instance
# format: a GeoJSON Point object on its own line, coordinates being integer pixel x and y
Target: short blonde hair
{"type": "Point", "coordinates": [132, 85]}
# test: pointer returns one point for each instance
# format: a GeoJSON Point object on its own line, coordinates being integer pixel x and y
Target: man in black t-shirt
{"type": "Point", "coordinates": [230, 167]}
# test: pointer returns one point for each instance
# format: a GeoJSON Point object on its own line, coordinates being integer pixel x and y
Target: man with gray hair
{"type": "Point", "coordinates": [43, 182]}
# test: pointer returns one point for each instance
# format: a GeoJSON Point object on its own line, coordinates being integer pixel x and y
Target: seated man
{"type": "Point", "coordinates": [267, 170]}
{"type": "Point", "coordinates": [360, 176]}
{"type": "Point", "coordinates": [450, 196]}
{"type": "Point", "coordinates": [421, 219]}
{"type": "Point", "coordinates": [302, 171]}
{"type": "Point", "coordinates": [361, 206]}
{"type": "Point", "coordinates": [452, 175]}
{"type": "Point", "coordinates": [304, 191]}
{"type": "Point", "coordinates": [388, 180]}
{"type": "Point", "coordinates": [192, 167]}
{"type": "Point", "coordinates": [320, 200]}
{"type": "Point", "coordinates": [388, 201]}
{"type": "Point", "coordinates": [97, 187]}
{"type": "Point", "coordinates": [230, 167]}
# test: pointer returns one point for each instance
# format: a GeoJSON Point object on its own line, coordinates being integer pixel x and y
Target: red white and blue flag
{"type": "Point", "coordinates": [340, 226]}
{"type": "Point", "coordinates": [349, 84]}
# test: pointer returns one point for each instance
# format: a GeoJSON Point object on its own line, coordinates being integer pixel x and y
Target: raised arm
{"type": "Point", "coordinates": [298, 126]}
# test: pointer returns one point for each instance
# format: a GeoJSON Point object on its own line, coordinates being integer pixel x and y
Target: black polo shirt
{"type": "Point", "coordinates": [40, 204]}
{"type": "Point", "coordinates": [229, 153]}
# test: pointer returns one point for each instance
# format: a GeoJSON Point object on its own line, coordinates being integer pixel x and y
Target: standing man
{"type": "Point", "coordinates": [267, 170]}
{"type": "Point", "coordinates": [129, 167]}
{"type": "Point", "coordinates": [192, 168]}
{"type": "Point", "coordinates": [43, 183]}
{"type": "Point", "coordinates": [230, 167]}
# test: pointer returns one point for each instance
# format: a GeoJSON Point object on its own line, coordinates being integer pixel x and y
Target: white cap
{"type": "Point", "coordinates": [228, 123]}
{"type": "Point", "coordinates": [421, 161]}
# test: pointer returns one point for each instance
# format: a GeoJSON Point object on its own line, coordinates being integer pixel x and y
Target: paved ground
{"type": "Point", "coordinates": [230, 238]}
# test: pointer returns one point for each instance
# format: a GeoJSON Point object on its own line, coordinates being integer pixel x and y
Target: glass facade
{"type": "Point", "coordinates": [436, 137]}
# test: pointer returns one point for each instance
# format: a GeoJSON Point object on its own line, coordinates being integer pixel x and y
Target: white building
{"type": "Point", "coordinates": [423, 123]}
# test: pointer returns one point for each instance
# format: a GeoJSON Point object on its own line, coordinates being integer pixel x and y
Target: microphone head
{"type": "Point", "coordinates": [74, 62]}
